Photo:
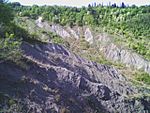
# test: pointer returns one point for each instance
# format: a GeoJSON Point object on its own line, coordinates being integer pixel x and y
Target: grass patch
{"type": "Point", "coordinates": [143, 77]}
{"type": "Point", "coordinates": [57, 40]}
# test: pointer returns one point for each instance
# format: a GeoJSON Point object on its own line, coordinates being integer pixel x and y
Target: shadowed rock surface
{"type": "Point", "coordinates": [57, 81]}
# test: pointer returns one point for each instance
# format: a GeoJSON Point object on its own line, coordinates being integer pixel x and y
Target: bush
{"type": "Point", "coordinates": [9, 47]}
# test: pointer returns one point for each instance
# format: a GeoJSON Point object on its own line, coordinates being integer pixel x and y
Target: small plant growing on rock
{"type": "Point", "coordinates": [143, 77]}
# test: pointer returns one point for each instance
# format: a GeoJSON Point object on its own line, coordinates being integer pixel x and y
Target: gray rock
{"type": "Point", "coordinates": [111, 51]}
{"type": "Point", "coordinates": [56, 80]}
{"type": "Point", "coordinates": [88, 36]}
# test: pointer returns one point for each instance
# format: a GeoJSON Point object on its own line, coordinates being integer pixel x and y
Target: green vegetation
{"type": "Point", "coordinates": [57, 40]}
{"type": "Point", "coordinates": [36, 34]}
{"type": "Point", "coordinates": [6, 14]}
{"type": "Point", "coordinates": [131, 23]}
{"type": "Point", "coordinates": [143, 77]}
{"type": "Point", "coordinates": [9, 47]}
{"type": "Point", "coordinates": [9, 44]}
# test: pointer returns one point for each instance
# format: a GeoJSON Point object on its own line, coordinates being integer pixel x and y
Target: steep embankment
{"type": "Point", "coordinates": [55, 80]}
{"type": "Point", "coordinates": [39, 76]}
{"type": "Point", "coordinates": [104, 43]}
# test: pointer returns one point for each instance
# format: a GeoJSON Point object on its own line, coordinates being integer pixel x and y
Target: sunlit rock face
{"type": "Point", "coordinates": [110, 50]}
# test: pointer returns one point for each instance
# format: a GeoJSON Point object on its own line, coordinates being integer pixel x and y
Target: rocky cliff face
{"type": "Point", "coordinates": [54, 80]}
{"type": "Point", "coordinates": [110, 50]}
{"type": "Point", "coordinates": [51, 79]}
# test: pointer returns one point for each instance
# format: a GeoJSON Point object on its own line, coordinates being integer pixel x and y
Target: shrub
{"type": "Point", "coordinates": [9, 47]}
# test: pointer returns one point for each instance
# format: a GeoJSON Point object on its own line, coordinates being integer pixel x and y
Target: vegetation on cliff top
{"type": "Point", "coordinates": [131, 23]}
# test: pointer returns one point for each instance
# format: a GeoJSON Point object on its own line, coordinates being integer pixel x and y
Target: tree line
{"type": "Point", "coordinates": [130, 21]}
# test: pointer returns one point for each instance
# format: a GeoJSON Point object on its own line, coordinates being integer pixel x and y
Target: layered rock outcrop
{"type": "Point", "coordinates": [110, 50]}
{"type": "Point", "coordinates": [54, 80]}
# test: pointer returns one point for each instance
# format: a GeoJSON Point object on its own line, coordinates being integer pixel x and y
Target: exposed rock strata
{"type": "Point", "coordinates": [56, 80]}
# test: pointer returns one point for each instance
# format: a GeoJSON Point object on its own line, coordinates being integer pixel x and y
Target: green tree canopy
{"type": "Point", "coordinates": [6, 13]}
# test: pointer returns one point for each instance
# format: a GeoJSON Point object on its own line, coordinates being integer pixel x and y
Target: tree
{"type": "Point", "coordinates": [94, 4]}
{"type": "Point", "coordinates": [9, 45]}
{"type": "Point", "coordinates": [2, 1]}
{"type": "Point", "coordinates": [89, 6]}
{"type": "Point", "coordinates": [79, 19]}
{"type": "Point", "coordinates": [88, 19]}
{"type": "Point", "coordinates": [123, 5]}
{"type": "Point", "coordinates": [114, 5]}
{"type": "Point", "coordinates": [6, 14]}
{"type": "Point", "coordinates": [15, 4]}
